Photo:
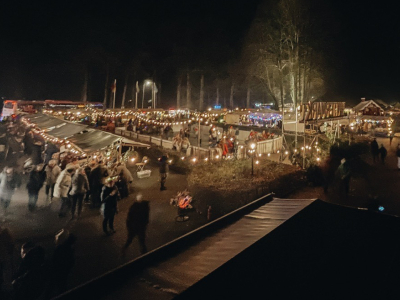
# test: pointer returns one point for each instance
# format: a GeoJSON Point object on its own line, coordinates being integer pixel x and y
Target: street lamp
{"type": "Point", "coordinates": [252, 146]}
{"type": "Point", "coordinates": [198, 134]}
{"type": "Point", "coordinates": [146, 82]}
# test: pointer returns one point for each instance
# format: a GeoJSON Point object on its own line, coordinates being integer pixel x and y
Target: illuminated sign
{"type": "Point", "coordinates": [217, 106]}
{"type": "Point", "coordinates": [321, 110]}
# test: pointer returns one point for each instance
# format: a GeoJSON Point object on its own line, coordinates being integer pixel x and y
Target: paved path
{"type": "Point", "coordinates": [95, 252]}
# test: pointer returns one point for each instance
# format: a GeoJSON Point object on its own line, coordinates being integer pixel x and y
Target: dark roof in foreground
{"type": "Point", "coordinates": [325, 251]}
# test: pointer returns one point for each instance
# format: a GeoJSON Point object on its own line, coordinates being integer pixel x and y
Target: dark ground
{"type": "Point", "coordinates": [96, 253]}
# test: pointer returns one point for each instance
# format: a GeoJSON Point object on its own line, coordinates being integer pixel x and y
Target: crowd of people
{"type": "Point", "coordinates": [255, 136]}
{"type": "Point", "coordinates": [75, 182]}
{"type": "Point", "coordinates": [226, 145]}
{"type": "Point", "coordinates": [181, 141]}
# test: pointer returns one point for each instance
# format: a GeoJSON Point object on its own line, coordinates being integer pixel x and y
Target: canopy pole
{"type": "Point", "coordinates": [120, 151]}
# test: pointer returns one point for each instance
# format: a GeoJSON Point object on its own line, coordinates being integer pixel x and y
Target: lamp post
{"type": "Point", "coordinates": [153, 94]}
{"type": "Point", "coordinates": [146, 82]}
{"type": "Point", "coordinates": [198, 134]}
{"type": "Point", "coordinates": [252, 146]}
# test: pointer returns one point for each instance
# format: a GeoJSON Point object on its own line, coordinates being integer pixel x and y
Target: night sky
{"type": "Point", "coordinates": [45, 45]}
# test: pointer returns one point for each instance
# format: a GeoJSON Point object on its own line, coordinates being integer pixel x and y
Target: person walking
{"type": "Point", "coordinates": [344, 175]}
{"type": "Point", "coordinates": [390, 139]}
{"type": "Point", "coordinates": [125, 179]}
{"type": "Point", "coordinates": [185, 145]}
{"type": "Point", "coordinates": [88, 171]}
{"type": "Point", "coordinates": [96, 181]}
{"type": "Point", "coordinates": [52, 173]}
{"type": "Point", "coordinates": [36, 179]}
{"type": "Point", "coordinates": [61, 264]}
{"type": "Point", "coordinates": [109, 201]}
{"type": "Point", "coordinates": [29, 281]}
{"type": "Point", "coordinates": [61, 190]}
{"type": "Point", "coordinates": [136, 223]}
{"type": "Point", "coordinates": [79, 187]}
{"type": "Point", "coordinates": [383, 153]}
{"type": "Point", "coordinates": [375, 150]}
{"type": "Point", "coordinates": [398, 156]}
{"type": "Point", "coordinates": [164, 168]}
{"type": "Point", "coordinates": [9, 181]}
{"type": "Point", "coordinates": [6, 252]}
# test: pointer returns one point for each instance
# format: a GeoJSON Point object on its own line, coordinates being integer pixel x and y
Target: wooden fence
{"type": "Point", "coordinates": [262, 147]}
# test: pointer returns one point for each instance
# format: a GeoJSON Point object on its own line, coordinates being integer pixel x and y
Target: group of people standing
{"type": "Point", "coordinates": [226, 145]}
{"type": "Point", "coordinates": [181, 144]}
{"type": "Point", "coordinates": [36, 276]}
{"type": "Point", "coordinates": [377, 152]}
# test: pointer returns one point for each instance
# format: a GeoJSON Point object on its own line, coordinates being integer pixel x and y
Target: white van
{"type": "Point", "coordinates": [10, 108]}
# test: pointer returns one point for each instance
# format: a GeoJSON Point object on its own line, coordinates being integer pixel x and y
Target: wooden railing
{"type": "Point", "coordinates": [262, 147]}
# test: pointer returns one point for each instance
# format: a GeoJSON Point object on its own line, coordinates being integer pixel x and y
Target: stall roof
{"type": "Point", "coordinates": [45, 122]}
{"type": "Point", "coordinates": [86, 139]}
{"type": "Point", "coordinates": [66, 130]}
{"type": "Point", "coordinates": [93, 140]}
{"type": "Point", "coordinates": [36, 117]}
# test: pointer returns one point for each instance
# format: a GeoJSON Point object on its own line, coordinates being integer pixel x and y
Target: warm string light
{"type": "Point", "coordinates": [140, 115]}
{"type": "Point", "coordinates": [71, 148]}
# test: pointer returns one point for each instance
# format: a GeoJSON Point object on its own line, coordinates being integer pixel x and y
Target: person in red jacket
{"type": "Point", "coordinates": [224, 148]}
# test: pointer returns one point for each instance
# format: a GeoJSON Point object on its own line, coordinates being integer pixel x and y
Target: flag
{"type": "Point", "coordinates": [114, 86]}
{"type": "Point", "coordinates": [137, 87]}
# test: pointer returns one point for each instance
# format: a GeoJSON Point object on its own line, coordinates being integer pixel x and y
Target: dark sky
{"type": "Point", "coordinates": [44, 44]}
{"type": "Point", "coordinates": [368, 45]}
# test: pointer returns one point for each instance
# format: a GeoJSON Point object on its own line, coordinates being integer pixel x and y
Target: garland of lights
{"type": "Point", "coordinates": [204, 118]}
{"type": "Point", "coordinates": [70, 146]}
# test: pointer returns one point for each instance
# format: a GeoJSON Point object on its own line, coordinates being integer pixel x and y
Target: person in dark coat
{"type": "Point", "coordinates": [109, 201]}
{"type": "Point", "coordinates": [50, 149]}
{"type": "Point", "coordinates": [163, 171]}
{"type": "Point", "coordinates": [328, 170]}
{"type": "Point", "coordinates": [6, 252]}
{"type": "Point", "coordinates": [28, 142]}
{"type": "Point", "coordinates": [61, 264]}
{"type": "Point", "coordinates": [345, 175]}
{"type": "Point", "coordinates": [136, 223]}
{"type": "Point", "coordinates": [398, 156]}
{"type": "Point", "coordinates": [29, 281]}
{"type": "Point", "coordinates": [97, 176]}
{"type": "Point", "coordinates": [37, 153]}
{"type": "Point", "coordinates": [375, 150]}
{"type": "Point", "coordinates": [35, 183]}
{"type": "Point", "coordinates": [88, 170]}
{"type": "Point", "coordinates": [383, 153]}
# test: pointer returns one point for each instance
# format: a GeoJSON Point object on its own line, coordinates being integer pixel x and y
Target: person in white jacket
{"type": "Point", "coordinates": [61, 190]}
{"type": "Point", "coordinates": [52, 173]}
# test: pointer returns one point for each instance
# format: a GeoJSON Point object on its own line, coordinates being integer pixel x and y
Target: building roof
{"type": "Point", "coordinates": [364, 104]}
{"type": "Point", "coordinates": [325, 251]}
